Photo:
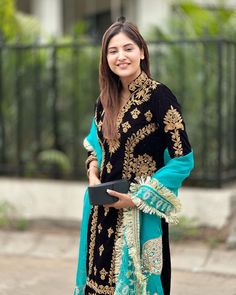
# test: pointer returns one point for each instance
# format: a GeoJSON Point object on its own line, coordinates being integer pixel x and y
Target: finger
{"type": "Point", "coordinates": [114, 193]}
{"type": "Point", "coordinates": [112, 205]}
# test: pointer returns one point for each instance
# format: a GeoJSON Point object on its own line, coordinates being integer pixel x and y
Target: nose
{"type": "Point", "coordinates": [121, 55]}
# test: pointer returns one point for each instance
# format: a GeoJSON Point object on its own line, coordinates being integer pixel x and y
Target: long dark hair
{"type": "Point", "coordinates": [110, 85]}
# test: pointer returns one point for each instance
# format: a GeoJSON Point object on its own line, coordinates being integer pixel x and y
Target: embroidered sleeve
{"type": "Point", "coordinates": [172, 124]}
{"type": "Point", "coordinates": [158, 194]}
{"type": "Point", "coordinates": [152, 197]}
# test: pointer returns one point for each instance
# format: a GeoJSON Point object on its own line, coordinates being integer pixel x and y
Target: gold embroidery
{"type": "Point", "coordinates": [148, 116]}
{"type": "Point", "coordinates": [95, 270]}
{"type": "Point", "coordinates": [144, 165]}
{"type": "Point", "coordinates": [110, 232]}
{"type": "Point", "coordinates": [152, 256]}
{"type": "Point", "coordinates": [116, 254]}
{"type": "Point", "coordinates": [173, 122]}
{"type": "Point", "coordinates": [106, 211]}
{"type": "Point", "coordinates": [99, 125]}
{"type": "Point", "coordinates": [92, 237]}
{"type": "Point", "coordinates": [100, 289]}
{"type": "Point", "coordinates": [103, 274]}
{"type": "Point", "coordinates": [101, 249]}
{"type": "Point", "coordinates": [103, 157]}
{"type": "Point", "coordinates": [141, 89]}
{"type": "Point", "coordinates": [99, 228]}
{"type": "Point", "coordinates": [126, 126]}
{"type": "Point", "coordinates": [113, 145]}
{"type": "Point", "coordinates": [131, 164]}
{"type": "Point", "coordinates": [135, 113]}
{"type": "Point", "coordinates": [109, 167]}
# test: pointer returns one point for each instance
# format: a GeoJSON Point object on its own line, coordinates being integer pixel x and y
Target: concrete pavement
{"type": "Point", "coordinates": [39, 262]}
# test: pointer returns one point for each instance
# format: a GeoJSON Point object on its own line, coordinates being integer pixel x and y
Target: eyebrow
{"type": "Point", "coordinates": [127, 44]}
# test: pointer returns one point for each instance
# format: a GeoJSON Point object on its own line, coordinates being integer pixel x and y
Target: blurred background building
{"type": "Point", "coordinates": [57, 16]}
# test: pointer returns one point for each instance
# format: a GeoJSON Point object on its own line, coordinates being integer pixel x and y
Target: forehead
{"type": "Point", "coordinates": [120, 39]}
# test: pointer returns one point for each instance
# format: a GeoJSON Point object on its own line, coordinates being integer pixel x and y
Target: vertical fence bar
{"type": "Point", "coordinates": [182, 67]}
{"type": "Point", "coordinates": [219, 114]}
{"type": "Point", "coordinates": [234, 95]}
{"type": "Point", "coordinates": [37, 98]}
{"type": "Point", "coordinates": [74, 111]}
{"type": "Point", "coordinates": [227, 111]}
{"type": "Point", "coordinates": [54, 92]}
{"type": "Point", "coordinates": [230, 112]}
{"type": "Point", "coordinates": [2, 121]}
{"type": "Point", "coordinates": [19, 111]}
{"type": "Point", "coordinates": [204, 162]}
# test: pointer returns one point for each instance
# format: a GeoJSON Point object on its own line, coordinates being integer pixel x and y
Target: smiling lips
{"type": "Point", "coordinates": [123, 65]}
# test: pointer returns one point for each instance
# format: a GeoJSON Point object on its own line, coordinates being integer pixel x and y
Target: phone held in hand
{"type": "Point", "coordinates": [98, 193]}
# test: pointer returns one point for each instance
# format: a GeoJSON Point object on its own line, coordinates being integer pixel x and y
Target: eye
{"type": "Point", "coordinates": [112, 51]}
{"type": "Point", "coordinates": [129, 49]}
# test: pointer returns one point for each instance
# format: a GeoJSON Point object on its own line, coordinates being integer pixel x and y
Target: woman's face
{"type": "Point", "coordinates": [123, 57]}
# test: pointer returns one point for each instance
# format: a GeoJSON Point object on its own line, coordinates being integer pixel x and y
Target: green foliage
{"type": "Point", "coordinates": [28, 28]}
{"type": "Point", "coordinates": [16, 26]}
{"type": "Point", "coordinates": [199, 21]}
{"type": "Point", "coordinates": [9, 217]}
{"type": "Point", "coordinates": [5, 212]}
{"type": "Point", "coordinates": [7, 19]}
{"type": "Point", "coordinates": [54, 159]}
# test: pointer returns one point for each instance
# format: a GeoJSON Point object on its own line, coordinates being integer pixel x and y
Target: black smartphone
{"type": "Point", "coordinates": [98, 193]}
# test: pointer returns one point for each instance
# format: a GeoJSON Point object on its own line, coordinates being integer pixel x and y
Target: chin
{"type": "Point", "coordinates": [125, 74]}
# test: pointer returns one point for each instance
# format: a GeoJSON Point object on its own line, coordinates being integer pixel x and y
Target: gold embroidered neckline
{"type": "Point", "coordinates": [138, 82]}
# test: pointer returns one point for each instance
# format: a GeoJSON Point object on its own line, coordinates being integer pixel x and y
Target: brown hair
{"type": "Point", "coordinates": [110, 85]}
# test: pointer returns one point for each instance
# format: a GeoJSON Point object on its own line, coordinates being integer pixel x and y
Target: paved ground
{"type": "Point", "coordinates": [30, 275]}
{"type": "Point", "coordinates": [34, 263]}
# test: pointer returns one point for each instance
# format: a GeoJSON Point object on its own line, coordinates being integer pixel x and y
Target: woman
{"type": "Point", "coordinates": [137, 134]}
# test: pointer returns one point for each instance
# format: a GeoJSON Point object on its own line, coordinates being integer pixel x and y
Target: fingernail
{"type": "Point", "coordinates": [108, 190]}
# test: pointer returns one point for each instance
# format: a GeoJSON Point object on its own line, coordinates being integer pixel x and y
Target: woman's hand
{"type": "Point", "coordinates": [93, 173]}
{"type": "Point", "coordinates": [94, 180]}
{"type": "Point", "coordinates": [123, 202]}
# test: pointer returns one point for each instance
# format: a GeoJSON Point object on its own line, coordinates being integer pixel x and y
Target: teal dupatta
{"type": "Point", "coordinates": [138, 263]}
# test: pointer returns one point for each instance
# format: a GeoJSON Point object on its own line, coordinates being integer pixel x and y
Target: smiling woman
{"type": "Point", "coordinates": [124, 57]}
{"type": "Point", "coordinates": [137, 134]}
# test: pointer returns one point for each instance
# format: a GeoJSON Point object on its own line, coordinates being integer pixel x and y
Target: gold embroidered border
{"type": "Point", "coordinates": [92, 238]}
{"type": "Point", "coordinates": [163, 191]}
{"type": "Point", "coordinates": [100, 289]}
{"type": "Point", "coordinates": [116, 254]}
{"type": "Point", "coordinates": [141, 87]}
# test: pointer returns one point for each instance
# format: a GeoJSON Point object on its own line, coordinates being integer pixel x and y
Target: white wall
{"type": "Point", "coordinates": [152, 12]}
{"type": "Point", "coordinates": [49, 13]}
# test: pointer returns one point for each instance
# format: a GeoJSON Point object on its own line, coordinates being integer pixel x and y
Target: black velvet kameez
{"type": "Point", "coordinates": [145, 130]}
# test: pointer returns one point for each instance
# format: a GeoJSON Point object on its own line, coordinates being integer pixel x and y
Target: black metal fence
{"type": "Point", "coordinates": [47, 95]}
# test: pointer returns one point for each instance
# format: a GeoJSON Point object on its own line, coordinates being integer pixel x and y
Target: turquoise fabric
{"type": "Point", "coordinates": [92, 138]}
{"type": "Point", "coordinates": [130, 280]}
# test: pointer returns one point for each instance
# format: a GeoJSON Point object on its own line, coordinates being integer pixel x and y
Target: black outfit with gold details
{"type": "Point", "coordinates": [147, 124]}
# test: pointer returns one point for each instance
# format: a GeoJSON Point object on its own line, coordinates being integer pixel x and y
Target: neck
{"type": "Point", "coordinates": [127, 80]}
